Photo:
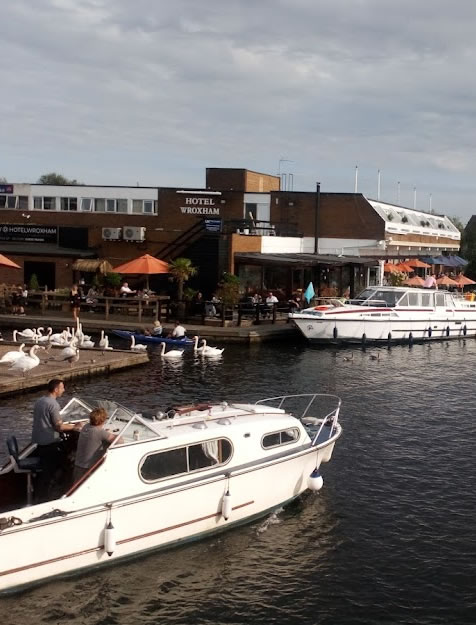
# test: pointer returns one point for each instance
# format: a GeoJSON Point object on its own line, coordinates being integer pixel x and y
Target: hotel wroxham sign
{"type": "Point", "coordinates": [200, 206]}
{"type": "Point", "coordinates": [6, 188]}
{"type": "Point", "coordinates": [34, 234]}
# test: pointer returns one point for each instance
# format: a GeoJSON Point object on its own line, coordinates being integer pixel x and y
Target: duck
{"type": "Point", "coordinates": [27, 361]}
{"type": "Point", "coordinates": [13, 356]}
{"type": "Point", "coordinates": [137, 348]}
{"type": "Point", "coordinates": [172, 353]}
{"type": "Point", "coordinates": [207, 350]}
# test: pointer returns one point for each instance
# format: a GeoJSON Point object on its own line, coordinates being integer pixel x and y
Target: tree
{"type": "Point", "coordinates": [182, 270]}
{"type": "Point", "coordinates": [34, 285]}
{"type": "Point", "coordinates": [54, 178]}
{"type": "Point", "coordinates": [456, 221]}
{"type": "Point", "coordinates": [229, 289]}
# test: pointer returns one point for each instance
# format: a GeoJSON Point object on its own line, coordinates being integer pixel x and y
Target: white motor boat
{"type": "Point", "coordinates": [169, 478]}
{"type": "Point", "coordinates": [392, 314]}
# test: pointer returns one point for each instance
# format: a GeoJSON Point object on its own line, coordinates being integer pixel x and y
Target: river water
{"type": "Point", "coordinates": [389, 539]}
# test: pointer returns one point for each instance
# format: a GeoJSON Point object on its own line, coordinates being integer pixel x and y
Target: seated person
{"type": "Point", "coordinates": [157, 329]}
{"type": "Point", "coordinates": [92, 443]}
{"type": "Point", "coordinates": [126, 291]}
{"type": "Point", "coordinates": [92, 298]}
{"type": "Point", "coordinates": [178, 332]}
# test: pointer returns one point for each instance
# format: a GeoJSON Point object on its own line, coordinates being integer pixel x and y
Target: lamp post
{"type": "Point", "coordinates": [316, 216]}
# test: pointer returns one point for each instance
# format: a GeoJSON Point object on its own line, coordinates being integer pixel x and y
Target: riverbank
{"type": "Point", "coordinates": [230, 334]}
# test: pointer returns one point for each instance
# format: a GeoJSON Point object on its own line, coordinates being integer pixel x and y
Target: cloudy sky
{"type": "Point", "coordinates": [155, 91]}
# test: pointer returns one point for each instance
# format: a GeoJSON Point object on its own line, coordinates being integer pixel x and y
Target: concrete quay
{"type": "Point", "coordinates": [91, 362]}
{"type": "Point", "coordinates": [264, 332]}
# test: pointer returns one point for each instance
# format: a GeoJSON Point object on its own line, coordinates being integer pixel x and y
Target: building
{"type": "Point", "coordinates": [239, 222]}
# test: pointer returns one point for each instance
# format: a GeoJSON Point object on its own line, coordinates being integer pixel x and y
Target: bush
{"type": "Point", "coordinates": [34, 284]}
{"type": "Point", "coordinates": [229, 289]}
{"type": "Point", "coordinates": [113, 279]}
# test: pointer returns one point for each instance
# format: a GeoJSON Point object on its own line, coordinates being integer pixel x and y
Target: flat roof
{"type": "Point", "coordinates": [255, 258]}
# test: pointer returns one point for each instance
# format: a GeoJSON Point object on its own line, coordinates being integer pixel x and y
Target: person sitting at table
{"type": "Point", "coordinates": [126, 291]}
{"type": "Point", "coordinates": [92, 443]}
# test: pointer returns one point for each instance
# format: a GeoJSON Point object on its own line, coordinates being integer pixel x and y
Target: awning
{"type": "Point", "coordinates": [45, 249]}
{"type": "Point", "coordinates": [301, 260]}
{"type": "Point", "coordinates": [93, 265]}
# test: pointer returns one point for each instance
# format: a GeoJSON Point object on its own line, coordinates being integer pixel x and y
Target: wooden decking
{"type": "Point", "coordinates": [91, 362]}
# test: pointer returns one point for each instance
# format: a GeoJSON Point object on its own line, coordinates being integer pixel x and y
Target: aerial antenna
{"type": "Point", "coordinates": [356, 178]}
{"type": "Point", "coordinates": [414, 197]}
{"type": "Point", "coordinates": [378, 185]}
{"type": "Point", "coordinates": [398, 193]}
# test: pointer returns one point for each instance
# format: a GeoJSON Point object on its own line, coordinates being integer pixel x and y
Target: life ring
{"type": "Point", "coordinates": [321, 307]}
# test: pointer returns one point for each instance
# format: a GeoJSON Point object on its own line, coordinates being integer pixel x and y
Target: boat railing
{"type": "Point", "coordinates": [293, 404]}
{"type": "Point", "coordinates": [369, 302]}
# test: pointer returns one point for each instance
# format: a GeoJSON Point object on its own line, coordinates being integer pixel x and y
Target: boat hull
{"type": "Point", "coordinates": [143, 338]}
{"type": "Point", "coordinates": [44, 548]}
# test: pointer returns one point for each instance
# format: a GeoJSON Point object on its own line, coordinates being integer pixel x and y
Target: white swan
{"type": "Point", "coordinates": [44, 338]}
{"type": "Point", "coordinates": [172, 353]}
{"type": "Point", "coordinates": [27, 361]}
{"type": "Point", "coordinates": [106, 346]}
{"type": "Point", "coordinates": [60, 338]}
{"type": "Point", "coordinates": [137, 348]}
{"type": "Point", "coordinates": [103, 340]}
{"type": "Point", "coordinates": [70, 353]}
{"type": "Point", "coordinates": [13, 356]}
{"type": "Point", "coordinates": [27, 333]}
{"type": "Point", "coordinates": [198, 350]}
{"type": "Point", "coordinates": [210, 351]}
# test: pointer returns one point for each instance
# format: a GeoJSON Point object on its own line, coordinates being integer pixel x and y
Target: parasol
{"type": "Point", "coordinates": [446, 281]}
{"type": "Point", "coordinates": [144, 265]}
{"type": "Point", "coordinates": [415, 281]}
{"type": "Point", "coordinates": [417, 263]}
{"type": "Point", "coordinates": [6, 262]}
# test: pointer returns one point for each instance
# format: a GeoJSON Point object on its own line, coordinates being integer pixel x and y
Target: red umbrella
{"type": "Point", "coordinates": [6, 262]}
{"type": "Point", "coordinates": [144, 265]}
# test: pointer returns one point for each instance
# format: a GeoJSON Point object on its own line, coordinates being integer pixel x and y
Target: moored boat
{"type": "Point", "coordinates": [168, 478]}
{"type": "Point", "coordinates": [391, 314]}
{"type": "Point", "coordinates": [146, 338]}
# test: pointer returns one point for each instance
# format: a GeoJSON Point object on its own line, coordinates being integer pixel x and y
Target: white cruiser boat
{"type": "Point", "coordinates": [188, 473]}
{"type": "Point", "coordinates": [392, 314]}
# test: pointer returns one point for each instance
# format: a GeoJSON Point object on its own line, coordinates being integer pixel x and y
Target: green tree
{"type": "Point", "coordinates": [456, 221]}
{"type": "Point", "coordinates": [182, 270]}
{"type": "Point", "coordinates": [229, 289]}
{"type": "Point", "coordinates": [113, 279]}
{"type": "Point", "coordinates": [54, 178]}
{"type": "Point", "coordinates": [34, 285]}
{"type": "Point", "coordinates": [468, 247]}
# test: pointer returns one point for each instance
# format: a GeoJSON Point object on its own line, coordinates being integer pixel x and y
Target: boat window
{"type": "Point", "coordinates": [377, 297]}
{"type": "Point", "coordinates": [440, 299]}
{"type": "Point", "coordinates": [275, 439]}
{"type": "Point", "coordinates": [426, 299]}
{"type": "Point", "coordinates": [414, 299]}
{"type": "Point", "coordinates": [404, 301]}
{"type": "Point", "coordinates": [186, 459]}
{"type": "Point", "coordinates": [448, 301]}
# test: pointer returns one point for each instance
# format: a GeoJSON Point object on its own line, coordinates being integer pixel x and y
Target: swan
{"type": "Point", "coordinates": [13, 356]}
{"type": "Point", "coordinates": [44, 338]}
{"type": "Point", "coordinates": [27, 361]}
{"type": "Point", "coordinates": [102, 340]}
{"type": "Point", "coordinates": [137, 348]}
{"type": "Point", "coordinates": [198, 350]}
{"type": "Point", "coordinates": [172, 353]}
{"type": "Point", "coordinates": [68, 351]}
{"type": "Point", "coordinates": [106, 345]}
{"type": "Point", "coordinates": [27, 333]}
{"type": "Point", "coordinates": [210, 351]}
{"type": "Point", "coordinates": [60, 338]}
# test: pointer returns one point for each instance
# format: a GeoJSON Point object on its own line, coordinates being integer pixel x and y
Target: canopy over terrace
{"type": "Point", "coordinates": [291, 271]}
{"type": "Point", "coordinates": [92, 265]}
{"type": "Point", "coordinates": [145, 265]}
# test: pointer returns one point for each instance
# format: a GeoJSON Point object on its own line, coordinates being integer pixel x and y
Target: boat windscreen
{"type": "Point", "coordinates": [376, 297]}
{"type": "Point", "coordinates": [79, 408]}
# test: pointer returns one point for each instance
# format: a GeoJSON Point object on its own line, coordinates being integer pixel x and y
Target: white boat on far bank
{"type": "Point", "coordinates": [169, 478]}
{"type": "Point", "coordinates": [391, 314]}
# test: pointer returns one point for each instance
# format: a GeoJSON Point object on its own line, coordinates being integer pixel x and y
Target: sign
{"type": "Point", "coordinates": [200, 206]}
{"type": "Point", "coordinates": [212, 225]}
{"type": "Point", "coordinates": [6, 188]}
{"type": "Point", "coordinates": [34, 234]}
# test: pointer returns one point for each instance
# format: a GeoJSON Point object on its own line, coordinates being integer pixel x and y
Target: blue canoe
{"type": "Point", "coordinates": [144, 338]}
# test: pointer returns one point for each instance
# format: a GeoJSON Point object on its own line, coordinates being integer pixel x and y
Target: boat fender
{"type": "Point", "coordinates": [389, 337]}
{"type": "Point", "coordinates": [410, 338]}
{"type": "Point", "coordinates": [109, 539]}
{"type": "Point", "coordinates": [226, 505]}
{"type": "Point", "coordinates": [465, 330]}
{"type": "Point", "coordinates": [447, 330]}
{"type": "Point", "coordinates": [364, 338]}
{"type": "Point", "coordinates": [335, 333]}
{"type": "Point", "coordinates": [429, 333]}
{"type": "Point", "coordinates": [315, 481]}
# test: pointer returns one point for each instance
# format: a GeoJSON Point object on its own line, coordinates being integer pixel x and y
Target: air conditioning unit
{"type": "Point", "coordinates": [134, 233]}
{"type": "Point", "coordinates": [111, 234]}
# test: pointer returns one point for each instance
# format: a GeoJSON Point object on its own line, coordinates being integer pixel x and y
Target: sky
{"type": "Point", "coordinates": [154, 91]}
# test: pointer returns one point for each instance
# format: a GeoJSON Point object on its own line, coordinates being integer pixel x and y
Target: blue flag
{"type": "Point", "coordinates": [309, 292]}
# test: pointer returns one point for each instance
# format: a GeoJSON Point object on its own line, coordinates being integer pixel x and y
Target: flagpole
{"type": "Point", "coordinates": [316, 216]}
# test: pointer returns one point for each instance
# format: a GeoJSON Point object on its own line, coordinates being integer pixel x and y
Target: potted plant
{"type": "Point", "coordinates": [229, 292]}
{"type": "Point", "coordinates": [181, 270]}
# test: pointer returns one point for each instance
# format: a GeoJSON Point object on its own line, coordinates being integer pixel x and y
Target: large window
{"type": "Point", "coordinates": [100, 205]}
{"type": "Point", "coordinates": [49, 203]}
{"type": "Point", "coordinates": [69, 204]}
{"type": "Point", "coordinates": [276, 439]}
{"type": "Point", "coordinates": [111, 206]}
{"type": "Point", "coordinates": [187, 459]}
{"type": "Point", "coordinates": [86, 204]}
{"type": "Point", "coordinates": [143, 206]}
{"type": "Point", "coordinates": [122, 206]}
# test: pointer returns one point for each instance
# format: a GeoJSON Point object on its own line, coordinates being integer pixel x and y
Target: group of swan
{"type": "Point", "coordinates": [206, 350]}
{"type": "Point", "coordinates": [20, 361]}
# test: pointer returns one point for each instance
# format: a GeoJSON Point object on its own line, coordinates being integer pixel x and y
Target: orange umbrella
{"type": "Point", "coordinates": [390, 268]}
{"type": "Point", "coordinates": [404, 267]}
{"type": "Point", "coordinates": [6, 262]}
{"type": "Point", "coordinates": [463, 280]}
{"type": "Point", "coordinates": [417, 263]}
{"type": "Point", "coordinates": [445, 281]}
{"type": "Point", "coordinates": [145, 265]}
{"type": "Point", "coordinates": [415, 281]}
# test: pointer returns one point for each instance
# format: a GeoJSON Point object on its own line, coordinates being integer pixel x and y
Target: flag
{"type": "Point", "coordinates": [309, 292]}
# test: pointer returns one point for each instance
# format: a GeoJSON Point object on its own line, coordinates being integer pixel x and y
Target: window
{"type": "Point", "coordinates": [143, 206]}
{"type": "Point", "coordinates": [49, 203]}
{"type": "Point", "coordinates": [3, 201]}
{"type": "Point", "coordinates": [404, 301]}
{"type": "Point", "coordinates": [38, 203]}
{"type": "Point", "coordinates": [137, 206]}
{"type": "Point", "coordinates": [186, 459]}
{"type": "Point", "coordinates": [427, 299]}
{"type": "Point", "coordinates": [69, 204]}
{"type": "Point", "coordinates": [11, 201]}
{"type": "Point", "coordinates": [111, 206]}
{"type": "Point", "coordinates": [440, 299]}
{"type": "Point", "coordinates": [22, 202]}
{"type": "Point", "coordinates": [100, 205]}
{"type": "Point", "coordinates": [414, 299]}
{"type": "Point", "coordinates": [448, 300]}
{"type": "Point", "coordinates": [86, 204]}
{"type": "Point", "coordinates": [122, 206]}
{"type": "Point", "coordinates": [276, 439]}
{"type": "Point", "coordinates": [148, 206]}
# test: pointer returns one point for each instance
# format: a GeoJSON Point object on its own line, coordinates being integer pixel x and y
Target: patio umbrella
{"type": "Point", "coordinates": [390, 268]}
{"type": "Point", "coordinates": [417, 263]}
{"type": "Point", "coordinates": [145, 265]}
{"type": "Point", "coordinates": [404, 267]}
{"type": "Point", "coordinates": [462, 280]}
{"type": "Point", "coordinates": [6, 262]}
{"type": "Point", "coordinates": [415, 281]}
{"type": "Point", "coordinates": [446, 281]}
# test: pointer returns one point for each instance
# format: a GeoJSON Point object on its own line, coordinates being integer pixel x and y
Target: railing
{"type": "Point", "coordinates": [260, 228]}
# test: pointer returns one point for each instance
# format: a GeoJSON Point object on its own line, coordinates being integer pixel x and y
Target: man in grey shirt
{"type": "Point", "coordinates": [47, 424]}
